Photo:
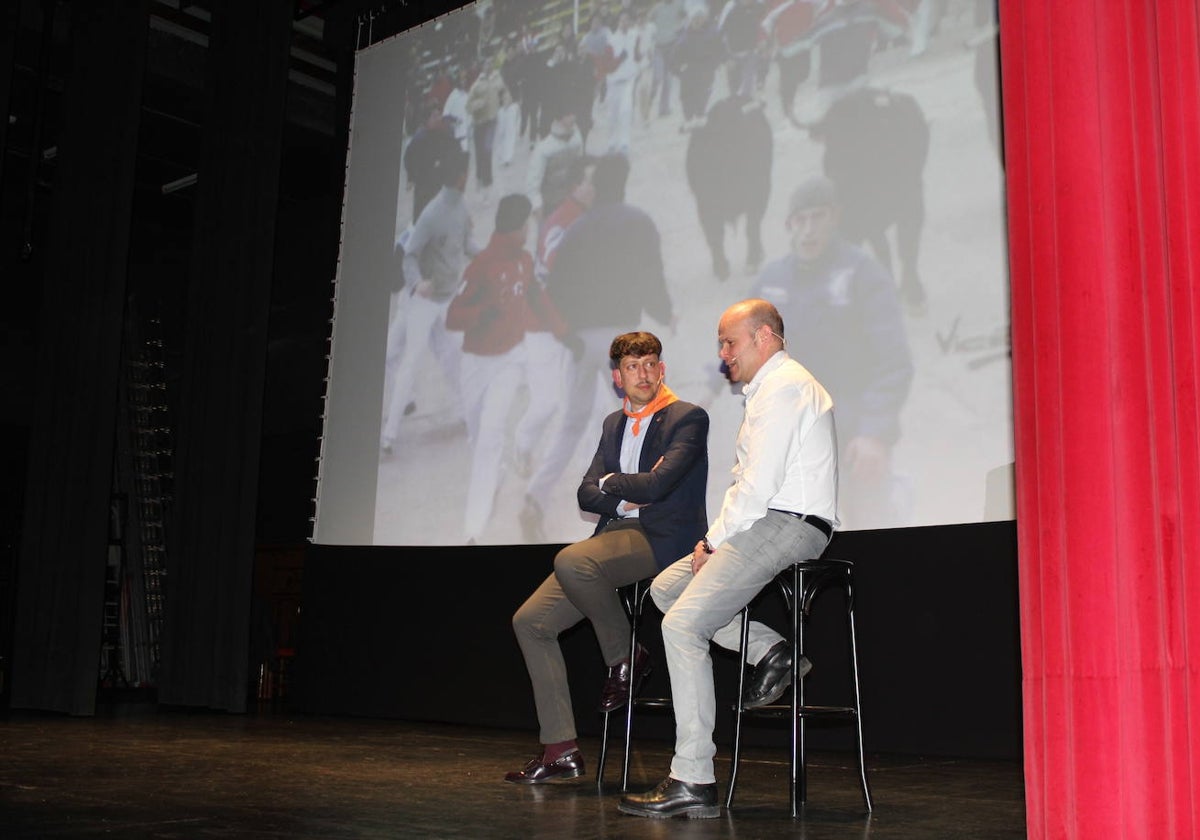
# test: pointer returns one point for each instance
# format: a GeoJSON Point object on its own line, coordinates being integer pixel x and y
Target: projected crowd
{"type": "Point", "coordinates": [528, 126]}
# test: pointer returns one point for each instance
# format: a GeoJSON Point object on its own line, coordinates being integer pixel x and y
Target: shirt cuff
{"type": "Point", "coordinates": [715, 536]}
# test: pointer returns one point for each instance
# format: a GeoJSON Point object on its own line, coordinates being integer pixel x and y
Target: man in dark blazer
{"type": "Point", "coordinates": [647, 483]}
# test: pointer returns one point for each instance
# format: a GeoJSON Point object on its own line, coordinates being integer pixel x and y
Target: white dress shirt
{"type": "Point", "coordinates": [786, 450]}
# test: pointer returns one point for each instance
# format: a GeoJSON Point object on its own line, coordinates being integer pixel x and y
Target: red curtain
{"type": "Point", "coordinates": [1102, 122]}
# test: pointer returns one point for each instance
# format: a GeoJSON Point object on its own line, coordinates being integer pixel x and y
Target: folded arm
{"type": "Point", "coordinates": [591, 498]}
{"type": "Point", "coordinates": [688, 443]}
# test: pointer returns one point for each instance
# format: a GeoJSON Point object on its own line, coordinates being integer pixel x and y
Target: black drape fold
{"type": "Point", "coordinates": [10, 14]}
{"type": "Point", "coordinates": [211, 539]}
{"type": "Point", "coordinates": [60, 576]}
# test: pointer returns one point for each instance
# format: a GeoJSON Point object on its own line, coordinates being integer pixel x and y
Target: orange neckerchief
{"type": "Point", "coordinates": [665, 398]}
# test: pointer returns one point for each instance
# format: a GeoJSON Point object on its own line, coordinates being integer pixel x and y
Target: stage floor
{"type": "Point", "coordinates": [146, 773]}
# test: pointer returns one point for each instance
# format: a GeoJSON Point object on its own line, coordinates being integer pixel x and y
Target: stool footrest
{"type": "Point", "coordinates": [783, 710]}
{"type": "Point", "coordinates": [652, 703]}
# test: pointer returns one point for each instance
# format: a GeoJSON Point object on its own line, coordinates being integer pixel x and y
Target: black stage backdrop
{"type": "Point", "coordinates": [425, 634]}
{"type": "Point", "coordinates": [205, 633]}
{"type": "Point", "coordinates": [61, 569]}
{"type": "Point", "coordinates": [9, 15]}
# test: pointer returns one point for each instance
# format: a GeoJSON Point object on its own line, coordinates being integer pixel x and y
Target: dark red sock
{"type": "Point", "coordinates": [553, 752]}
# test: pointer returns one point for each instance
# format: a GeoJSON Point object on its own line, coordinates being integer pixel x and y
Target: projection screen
{"type": "Point", "coordinates": [744, 127]}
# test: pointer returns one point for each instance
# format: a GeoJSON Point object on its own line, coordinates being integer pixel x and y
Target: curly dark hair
{"type": "Point", "coordinates": [634, 344]}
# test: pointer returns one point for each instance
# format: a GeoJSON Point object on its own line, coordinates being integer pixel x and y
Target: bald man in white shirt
{"type": "Point", "coordinates": [782, 507]}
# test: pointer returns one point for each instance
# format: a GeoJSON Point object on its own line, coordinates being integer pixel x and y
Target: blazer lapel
{"type": "Point", "coordinates": [651, 447]}
{"type": "Point", "coordinates": [612, 459]}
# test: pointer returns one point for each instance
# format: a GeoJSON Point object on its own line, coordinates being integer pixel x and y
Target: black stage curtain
{"type": "Point", "coordinates": [10, 16]}
{"type": "Point", "coordinates": [211, 541]}
{"type": "Point", "coordinates": [60, 574]}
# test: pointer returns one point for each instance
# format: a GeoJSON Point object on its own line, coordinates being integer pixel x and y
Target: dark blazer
{"type": "Point", "coordinates": [674, 518]}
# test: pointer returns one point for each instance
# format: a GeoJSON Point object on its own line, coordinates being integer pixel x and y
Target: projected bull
{"type": "Point", "coordinates": [876, 144]}
{"type": "Point", "coordinates": [729, 172]}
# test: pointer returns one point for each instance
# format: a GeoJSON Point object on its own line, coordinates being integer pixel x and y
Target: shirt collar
{"type": "Point", "coordinates": [769, 365]}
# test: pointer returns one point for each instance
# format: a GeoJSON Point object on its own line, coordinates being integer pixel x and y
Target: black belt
{"type": "Point", "coordinates": [817, 522]}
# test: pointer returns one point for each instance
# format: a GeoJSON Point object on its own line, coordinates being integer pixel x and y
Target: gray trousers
{"type": "Point", "coordinates": [584, 584]}
{"type": "Point", "coordinates": [706, 607]}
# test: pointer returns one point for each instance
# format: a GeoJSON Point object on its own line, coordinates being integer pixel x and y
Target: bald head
{"type": "Point", "coordinates": [750, 332]}
{"type": "Point", "coordinates": [760, 313]}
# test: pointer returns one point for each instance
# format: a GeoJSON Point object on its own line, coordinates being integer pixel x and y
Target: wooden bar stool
{"type": "Point", "coordinates": [800, 585]}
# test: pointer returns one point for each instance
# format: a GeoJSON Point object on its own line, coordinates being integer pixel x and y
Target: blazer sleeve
{"type": "Point", "coordinates": [686, 444]}
{"type": "Point", "coordinates": [591, 498]}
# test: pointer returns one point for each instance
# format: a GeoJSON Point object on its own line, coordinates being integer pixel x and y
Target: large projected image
{"type": "Point", "coordinates": [527, 180]}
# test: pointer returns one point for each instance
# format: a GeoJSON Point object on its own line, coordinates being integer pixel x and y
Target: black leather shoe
{"type": "Point", "coordinates": [673, 798]}
{"type": "Point", "coordinates": [569, 766]}
{"type": "Point", "coordinates": [616, 687]}
{"type": "Point", "coordinates": [772, 676]}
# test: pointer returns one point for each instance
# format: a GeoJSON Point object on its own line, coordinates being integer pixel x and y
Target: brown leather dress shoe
{"type": "Point", "coordinates": [673, 798]}
{"type": "Point", "coordinates": [616, 686]}
{"type": "Point", "coordinates": [569, 766]}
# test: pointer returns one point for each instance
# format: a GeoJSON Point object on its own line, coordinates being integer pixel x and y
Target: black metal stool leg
{"type": "Point", "coordinates": [798, 789]}
{"type": "Point", "coordinates": [603, 753]}
{"type": "Point", "coordinates": [862, 761]}
{"type": "Point", "coordinates": [737, 717]}
{"type": "Point", "coordinates": [635, 616]}
{"type": "Point", "coordinates": [630, 606]}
